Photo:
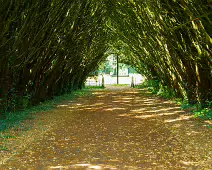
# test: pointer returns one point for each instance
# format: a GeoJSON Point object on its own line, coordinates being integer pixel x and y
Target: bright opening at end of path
{"type": "Point", "coordinates": [108, 70]}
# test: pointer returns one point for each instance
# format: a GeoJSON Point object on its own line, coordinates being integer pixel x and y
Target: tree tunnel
{"type": "Point", "coordinates": [48, 48]}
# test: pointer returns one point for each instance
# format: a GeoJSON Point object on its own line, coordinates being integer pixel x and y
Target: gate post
{"type": "Point", "coordinates": [132, 82]}
{"type": "Point", "coordinates": [103, 81]}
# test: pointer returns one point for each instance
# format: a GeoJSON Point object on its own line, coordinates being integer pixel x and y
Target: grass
{"type": "Point", "coordinates": [16, 118]}
{"type": "Point", "coordinates": [119, 85]}
{"type": "Point", "coordinates": [94, 87]}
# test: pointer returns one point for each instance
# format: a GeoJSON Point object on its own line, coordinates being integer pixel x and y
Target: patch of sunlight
{"type": "Point", "coordinates": [71, 107]}
{"type": "Point", "coordinates": [115, 108]}
{"type": "Point", "coordinates": [82, 165]}
{"type": "Point", "coordinates": [98, 93]}
{"type": "Point", "coordinates": [100, 96]}
{"type": "Point", "coordinates": [187, 163]}
{"type": "Point", "coordinates": [97, 104]}
{"type": "Point", "coordinates": [126, 101]}
{"type": "Point", "coordinates": [133, 92]}
{"type": "Point", "coordinates": [192, 132]}
{"type": "Point", "coordinates": [62, 105]}
{"type": "Point", "coordinates": [152, 99]}
{"type": "Point", "coordinates": [168, 113]}
{"type": "Point", "coordinates": [167, 102]}
{"type": "Point", "coordinates": [174, 109]}
{"type": "Point", "coordinates": [125, 115]}
{"type": "Point", "coordinates": [183, 117]}
{"type": "Point", "coordinates": [89, 108]}
{"type": "Point", "coordinates": [145, 116]}
{"type": "Point", "coordinates": [139, 110]}
{"type": "Point", "coordinates": [117, 101]}
{"type": "Point", "coordinates": [163, 109]}
{"type": "Point", "coordinates": [177, 125]}
{"type": "Point", "coordinates": [94, 167]}
{"type": "Point", "coordinates": [76, 166]}
{"type": "Point", "coordinates": [148, 104]}
{"type": "Point", "coordinates": [151, 111]}
{"type": "Point", "coordinates": [138, 101]}
{"type": "Point", "coordinates": [177, 107]}
{"type": "Point", "coordinates": [209, 122]}
{"type": "Point", "coordinates": [121, 101]}
{"type": "Point", "coordinates": [127, 98]}
{"type": "Point", "coordinates": [57, 167]}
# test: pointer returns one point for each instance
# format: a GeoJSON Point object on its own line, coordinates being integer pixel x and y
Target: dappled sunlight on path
{"type": "Point", "coordinates": [118, 128]}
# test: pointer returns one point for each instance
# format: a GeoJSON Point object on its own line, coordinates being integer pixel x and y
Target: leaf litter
{"type": "Point", "coordinates": [115, 128]}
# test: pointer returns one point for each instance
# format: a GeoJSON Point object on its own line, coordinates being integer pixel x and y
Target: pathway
{"type": "Point", "coordinates": [116, 128]}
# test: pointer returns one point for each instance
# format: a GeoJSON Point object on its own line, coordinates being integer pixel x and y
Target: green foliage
{"type": "Point", "coordinates": [152, 85]}
{"type": "Point", "coordinates": [161, 39]}
{"type": "Point", "coordinates": [14, 119]}
{"type": "Point", "coordinates": [156, 87]}
{"type": "Point", "coordinates": [3, 148]}
{"type": "Point", "coordinates": [6, 136]}
{"type": "Point", "coordinates": [48, 48]}
{"type": "Point", "coordinates": [94, 87]}
{"type": "Point", "coordinates": [121, 85]}
{"type": "Point", "coordinates": [205, 113]}
{"type": "Point", "coordinates": [199, 110]}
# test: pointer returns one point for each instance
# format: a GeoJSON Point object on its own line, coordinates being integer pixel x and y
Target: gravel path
{"type": "Point", "coordinates": [115, 128]}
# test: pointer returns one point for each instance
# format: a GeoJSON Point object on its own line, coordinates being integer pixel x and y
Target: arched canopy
{"type": "Point", "coordinates": [50, 47]}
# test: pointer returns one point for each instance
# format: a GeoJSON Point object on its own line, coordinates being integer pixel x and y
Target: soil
{"type": "Point", "coordinates": [114, 128]}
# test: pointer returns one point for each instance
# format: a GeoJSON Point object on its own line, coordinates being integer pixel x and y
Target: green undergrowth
{"type": "Point", "coordinates": [157, 88]}
{"type": "Point", "coordinates": [154, 86]}
{"type": "Point", "coordinates": [94, 87]}
{"type": "Point", "coordinates": [16, 118]}
{"type": "Point", "coordinates": [120, 85]}
{"type": "Point", "coordinates": [204, 112]}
